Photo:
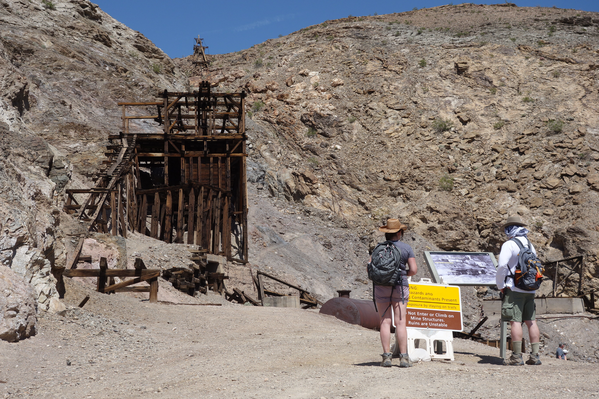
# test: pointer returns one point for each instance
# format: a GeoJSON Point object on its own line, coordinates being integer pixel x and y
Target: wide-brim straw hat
{"type": "Point", "coordinates": [513, 221]}
{"type": "Point", "coordinates": [393, 226]}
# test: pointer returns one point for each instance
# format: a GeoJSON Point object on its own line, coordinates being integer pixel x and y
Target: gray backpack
{"type": "Point", "coordinates": [529, 270]}
{"type": "Point", "coordinates": [385, 266]}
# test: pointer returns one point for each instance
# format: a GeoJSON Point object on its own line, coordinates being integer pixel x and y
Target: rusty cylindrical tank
{"type": "Point", "coordinates": [353, 311]}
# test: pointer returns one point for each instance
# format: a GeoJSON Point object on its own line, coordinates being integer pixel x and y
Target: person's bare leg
{"type": "Point", "coordinates": [516, 331]}
{"type": "Point", "coordinates": [533, 331]}
{"type": "Point", "coordinates": [385, 325]}
{"type": "Point", "coordinates": [401, 333]}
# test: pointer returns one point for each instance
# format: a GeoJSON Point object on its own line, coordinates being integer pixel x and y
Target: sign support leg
{"type": "Point", "coordinates": [503, 339]}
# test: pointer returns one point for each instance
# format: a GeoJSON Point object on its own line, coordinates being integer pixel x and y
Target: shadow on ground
{"type": "Point", "coordinates": [484, 359]}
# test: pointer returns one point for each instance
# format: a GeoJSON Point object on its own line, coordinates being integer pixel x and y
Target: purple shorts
{"type": "Point", "coordinates": [383, 294]}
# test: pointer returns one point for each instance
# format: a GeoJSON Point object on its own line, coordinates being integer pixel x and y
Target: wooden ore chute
{"type": "Point", "coordinates": [177, 173]}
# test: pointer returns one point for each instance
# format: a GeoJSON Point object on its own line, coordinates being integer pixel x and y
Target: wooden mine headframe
{"type": "Point", "coordinates": [199, 53]}
{"type": "Point", "coordinates": [177, 173]}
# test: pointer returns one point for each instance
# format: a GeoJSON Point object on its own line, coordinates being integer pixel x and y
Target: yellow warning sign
{"type": "Point", "coordinates": [428, 296]}
{"type": "Point", "coordinates": [434, 306]}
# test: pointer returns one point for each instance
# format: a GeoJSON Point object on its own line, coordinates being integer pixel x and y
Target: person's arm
{"type": "Point", "coordinates": [502, 266]}
{"type": "Point", "coordinates": [412, 267]}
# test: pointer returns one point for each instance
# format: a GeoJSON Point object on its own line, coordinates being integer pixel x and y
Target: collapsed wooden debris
{"type": "Point", "coordinates": [306, 299]}
{"type": "Point", "coordinates": [206, 273]}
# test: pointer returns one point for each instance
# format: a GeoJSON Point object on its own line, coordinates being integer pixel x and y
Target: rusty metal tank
{"type": "Point", "coordinates": [353, 311]}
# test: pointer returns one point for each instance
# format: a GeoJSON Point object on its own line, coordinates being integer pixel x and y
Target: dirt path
{"type": "Point", "coordinates": [117, 346]}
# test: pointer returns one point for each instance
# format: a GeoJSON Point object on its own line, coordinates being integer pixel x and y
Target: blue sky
{"type": "Point", "coordinates": [232, 25]}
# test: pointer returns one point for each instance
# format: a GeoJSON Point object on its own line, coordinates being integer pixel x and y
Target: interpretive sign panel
{"type": "Point", "coordinates": [437, 307]}
{"type": "Point", "coordinates": [462, 268]}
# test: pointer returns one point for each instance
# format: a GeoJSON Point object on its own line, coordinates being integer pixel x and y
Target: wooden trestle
{"type": "Point", "coordinates": [177, 173]}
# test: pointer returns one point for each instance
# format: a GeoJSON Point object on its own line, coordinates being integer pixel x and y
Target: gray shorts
{"type": "Point", "coordinates": [383, 294]}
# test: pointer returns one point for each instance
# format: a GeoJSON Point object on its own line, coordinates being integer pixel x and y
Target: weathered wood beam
{"type": "Point", "coordinates": [74, 258]}
{"type": "Point", "coordinates": [126, 283]}
{"type": "Point", "coordinates": [187, 154]}
{"type": "Point", "coordinates": [112, 273]}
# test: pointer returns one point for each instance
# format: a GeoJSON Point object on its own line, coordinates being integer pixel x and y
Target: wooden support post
{"type": "Point", "coordinates": [121, 212]}
{"type": "Point", "coordinates": [207, 227]}
{"type": "Point", "coordinates": [166, 180]}
{"type": "Point", "coordinates": [503, 338]}
{"type": "Point", "coordinates": [155, 216]}
{"type": "Point", "coordinates": [226, 227]}
{"type": "Point", "coordinates": [211, 229]}
{"type": "Point", "coordinates": [133, 200]}
{"type": "Point", "coordinates": [139, 264]}
{"type": "Point", "coordinates": [211, 170]}
{"type": "Point", "coordinates": [200, 218]}
{"type": "Point", "coordinates": [243, 192]}
{"type": "Point", "coordinates": [162, 220]}
{"type": "Point", "coordinates": [103, 225]}
{"type": "Point", "coordinates": [190, 216]}
{"type": "Point", "coordinates": [199, 170]}
{"type": "Point", "coordinates": [217, 224]}
{"type": "Point", "coordinates": [260, 289]}
{"type": "Point", "coordinates": [142, 215]}
{"type": "Point", "coordinates": [180, 214]}
{"type": "Point", "coordinates": [113, 213]}
{"type": "Point", "coordinates": [102, 276]}
{"type": "Point", "coordinates": [220, 172]}
{"type": "Point", "coordinates": [128, 204]}
{"type": "Point", "coordinates": [185, 164]}
{"type": "Point", "coordinates": [168, 223]}
{"type": "Point", "coordinates": [153, 290]}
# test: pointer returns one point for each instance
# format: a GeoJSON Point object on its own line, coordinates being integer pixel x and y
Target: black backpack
{"type": "Point", "coordinates": [385, 265]}
{"type": "Point", "coordinates": [529, 270]}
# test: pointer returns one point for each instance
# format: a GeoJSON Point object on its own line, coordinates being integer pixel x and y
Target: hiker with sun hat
{"type": "Point", "coordinates": [396, 296]}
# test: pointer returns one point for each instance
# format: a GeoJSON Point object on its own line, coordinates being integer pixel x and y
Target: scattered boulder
{"type": "Point", "coordinates": [18, 307]}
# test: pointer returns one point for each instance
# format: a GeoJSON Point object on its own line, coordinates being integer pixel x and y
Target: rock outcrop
{"type": "Point", "coordinates": [18, 307]}
{"type": "Point", "coordinates": [63, 68]}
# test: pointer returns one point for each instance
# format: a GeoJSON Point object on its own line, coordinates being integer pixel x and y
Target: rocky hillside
{"type": "Point", "coordinates": [451, 118]}
{"type": "Point", "coordinates": [64, 65]}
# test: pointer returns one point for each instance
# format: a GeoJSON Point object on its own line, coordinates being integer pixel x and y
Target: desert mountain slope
{"type": "Point", "coordinates": [451, 118]}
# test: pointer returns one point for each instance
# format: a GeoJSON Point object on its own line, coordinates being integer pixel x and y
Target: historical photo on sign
{"type": "Point", "coordinates": [462, 268]}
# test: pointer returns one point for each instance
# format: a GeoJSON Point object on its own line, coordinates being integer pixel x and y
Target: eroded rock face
{"type": "Point", "coordinates": [18, 307]}
{"type": "Point", "coordinates": [62, 71]}
{"type": "Point", "coordinates": [440, 117]}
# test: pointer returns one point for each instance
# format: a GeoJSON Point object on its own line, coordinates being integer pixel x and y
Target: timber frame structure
{"type": "Point", "coordinates": [177, 173]}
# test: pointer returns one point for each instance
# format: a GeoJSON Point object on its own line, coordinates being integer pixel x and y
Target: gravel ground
{"type": "Point", "coordinates": [121, 346]}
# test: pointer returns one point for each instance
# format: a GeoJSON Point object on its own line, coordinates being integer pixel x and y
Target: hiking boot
{"type": "Point", "coordinates": [404, 360]}
{"type": "Point", "coordinates": [386, 359]}
{"type": "Point", "coordinates": [514, 360]}
{"type": "Point", "coordinates": [534, 360]}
